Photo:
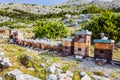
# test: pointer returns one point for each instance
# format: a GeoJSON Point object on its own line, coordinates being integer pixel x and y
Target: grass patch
{"type": "Point", "coordinates": [99, 73]}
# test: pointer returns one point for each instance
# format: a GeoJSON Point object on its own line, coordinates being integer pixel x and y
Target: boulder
{"type": "Point", "coordinates": [69, 73]}
{"type": "Point", "coordinates": [51, 69]}
{"type": "Point", "coordinates": [11, 41]}
{"type": "Point", "coordinates": [43, 65]}
{"type": "Point", "coordinates": [1, 78]}
{"type": "Point", "coordinates": [20, 76]}
{"type": "Point", "coordinates": [31, 69]}
{"type": "Point", "coordinates": [14, 72]}
{"type": "Point", "coordinates": [84, 76]}
{"type": "Point", "coordinates": [79, 57]}
{"type": "Point", "coordinates": [59, 71]}
{"type": "Point", "coordinates": [26, 77]}
{"type": "Point", "coordinates": [1, 58]}
{"type": "Point", "coordinates": [51, 77]}
{"type": "Point", "coordinates": [6, 62]}
{"type": "Point", "coordinates": [1, 54]}
{"type": "Point", "coordinates": [69, 78]}
{"type": "Point", "coordinates": [100, 62]}
{"type": "Point", "coordinates": [68, 16]}
{"type": "Point", "coordinates": [62, 77]}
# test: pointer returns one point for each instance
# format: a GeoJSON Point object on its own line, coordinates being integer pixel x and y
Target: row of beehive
{"type": "Point", "coordinates": [40, 44]}
{"type": "Point", "coordinates": [77, 45]}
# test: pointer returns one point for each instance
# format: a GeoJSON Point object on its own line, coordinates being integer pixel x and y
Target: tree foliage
{"type": "Point", "coordinates": [93, 10]}
{"type": "Point", "coordinates": [50, 30]}
{"type": "Point", "coordinates": [108, 23]}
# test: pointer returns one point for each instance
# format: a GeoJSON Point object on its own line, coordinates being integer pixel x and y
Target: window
{"type": "Point", "coordinates": [79, 49]}
{"type": "Point", "coordinates": [66, 47]}
{"type": "Point", "coordinates": [80, 36]}
{"type": "Point", "coordinates": [102, 51]}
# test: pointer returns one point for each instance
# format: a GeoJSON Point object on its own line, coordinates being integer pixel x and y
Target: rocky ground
{"type": "Point", "coordinates": [26, 63]}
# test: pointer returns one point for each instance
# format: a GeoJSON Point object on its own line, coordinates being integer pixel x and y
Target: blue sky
{"type": "Point", "coordinates": [43, 2]}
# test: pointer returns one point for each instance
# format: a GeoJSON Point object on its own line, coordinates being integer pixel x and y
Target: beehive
{"type": "Point", "coordinates": [82, 42]}
{"type": "Point", "coordinates": [103, 49]}
{"type": "Point", "coordinates": [67, 46]}
{"type": "Point", "coordinates": [5, 31]}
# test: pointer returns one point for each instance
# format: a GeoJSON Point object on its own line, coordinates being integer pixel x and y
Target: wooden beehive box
{"type": "Point", "coordinates": [26, 43]}
{"type": "Point", "coordinates": [51, 47]}
{"type": "Point", "coordinates": [5, 31]}
{"type": "Point", "coordinates": [103, 49]}
{"type": "Point", "coordinates": [43, 46]}
{"type": "Point", "coordinates": [82, 42]}
{"type": "Point", "coordinates": [67, 46]}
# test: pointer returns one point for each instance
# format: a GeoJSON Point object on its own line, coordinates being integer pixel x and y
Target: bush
{"type": "Point", "coordinates": [93, 10]}
{"type": "Point", "coordinates": [108, 23]}
{"type": "Point", "coordinates": [50, 30]}
{"type": "Point", "coordinates": [98, 73]}
{"type": "Point", "coordinates": [65, 68]}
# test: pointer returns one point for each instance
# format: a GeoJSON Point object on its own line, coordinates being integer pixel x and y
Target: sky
{"type": "Point", "coordinates": [41, 2]}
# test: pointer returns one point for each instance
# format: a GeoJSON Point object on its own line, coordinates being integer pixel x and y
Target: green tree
{"type": "Point", "coordinates": [93, 10]}
{"type": "Point", "coordinates": [108, 23]}
{"type": "Point", "coordinates": [50, 30]}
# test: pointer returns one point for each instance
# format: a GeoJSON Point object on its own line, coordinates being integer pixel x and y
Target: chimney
{"type": "Point", "coordinates": [101, 35]}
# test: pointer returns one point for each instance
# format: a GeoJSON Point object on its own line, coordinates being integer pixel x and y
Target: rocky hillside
{"type": "Point", "coordinates": [69, 6]}
{"type": "Point", "coordinates": [101, 3]}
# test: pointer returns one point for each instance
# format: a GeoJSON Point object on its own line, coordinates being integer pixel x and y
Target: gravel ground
{"type": "Point", "coordinates": [90, 65]}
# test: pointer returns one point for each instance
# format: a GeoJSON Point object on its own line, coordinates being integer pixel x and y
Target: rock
{"type": "Point", "coordinates": [11, 41]}
{"type": "Point", "coordinates": [106, 75]}
{"type": "Point", "coordinates": [1, 58]}
{"type": "Point", "coordinates": [59, 71]}
{"type": "Point", "coordinates": [14, 72]}
{"type": "Point", "coordinates": [68, 16]}
{"type": "Point", "coordinates": [1, 78]}
{"type": "Point", "coordinates": [6, 62]}
{"type": "Point", "coordinates": [69, 73]}
{"type": "Point", "coordinates": [20, 76]}
{"type": "Point", "coordinates": [62, 77]}
{"type": "Point", "coordinates": [43, 65]}
{"type": "Point", "coordinates": [101, 62]}
{"type": "Point", "coordinates": [89, 59]}
{"type": "Point", "coordinates": [78, 57]}
{"type": "Point", "coordinates": [31, 69]}
{"type": "Point", "coordinates": [84, 76]}
{"type": "Point", "coordinates": [1, 54]}
{"type": "Point", "coordinates": [27, 57]}
{"type": "Point", "coordinates": [58, 65]}
{"type": "Point", "coordinates": [25, 77]}
{"type": "Point", "coordinates": [51, 69]}
{"type": "Point", "coordinates": [69, 78]}
{"type": "Point", "coordinates": [51, 77]}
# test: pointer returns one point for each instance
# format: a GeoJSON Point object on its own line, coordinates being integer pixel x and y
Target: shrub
{"type": "Point", "coordinates": [99, 73]}
{"type": "Point", "coordinates": [108, 23]}
{"type": "Point", "coordinates": [50, 30]}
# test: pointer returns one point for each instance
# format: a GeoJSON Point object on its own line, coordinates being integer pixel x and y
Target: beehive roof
{"type": "Point", "coordinates": [103, 41]}
{"type": "Point", "coordinates": [84, 32]}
